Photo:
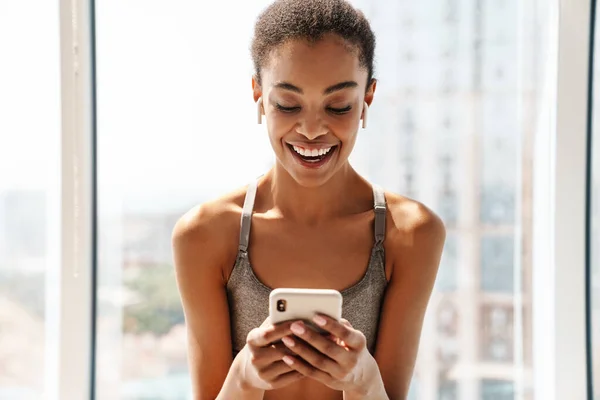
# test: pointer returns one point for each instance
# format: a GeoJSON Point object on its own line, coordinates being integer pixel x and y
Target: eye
{"type": "Point", "coordinates": [286, 109]}
{"type": "Point", "coordinates": [340, 110]}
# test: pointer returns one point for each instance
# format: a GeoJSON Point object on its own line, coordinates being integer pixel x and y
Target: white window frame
{"type": "Point", "coordinates": [559, 218]}
{"type": "Point", "coordinates": [69, 300]}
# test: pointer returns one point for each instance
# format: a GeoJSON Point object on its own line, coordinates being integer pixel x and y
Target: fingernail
{"type": "Point", "coordinates": [288, 360]}
{"type": "Point", "coordinates": [288, 341]}
{"type": "Point", "coordinates": [297, 328]}
{"type": "Point", "coordinates": [319, 320]}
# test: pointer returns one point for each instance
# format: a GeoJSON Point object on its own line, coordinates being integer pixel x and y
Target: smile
{"type": "Point", "coordinates": [312, 157]}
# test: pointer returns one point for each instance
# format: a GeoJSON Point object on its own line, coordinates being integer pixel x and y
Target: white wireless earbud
{"type": "Point", "coordinates": [259, 109]}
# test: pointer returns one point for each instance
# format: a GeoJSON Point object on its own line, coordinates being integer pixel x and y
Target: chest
{"type": "Point", "coordinates": [334, 256]}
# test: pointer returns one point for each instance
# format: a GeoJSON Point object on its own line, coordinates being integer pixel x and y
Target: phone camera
{"type": "Point", "coordinates": [281, 305]}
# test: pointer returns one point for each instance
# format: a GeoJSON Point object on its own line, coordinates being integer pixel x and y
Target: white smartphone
{"type": "Point", "coordinates": [287, 304]}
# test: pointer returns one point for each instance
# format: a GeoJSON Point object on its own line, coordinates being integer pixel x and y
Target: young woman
{"type": "Point", "coordinates": [316, 223]}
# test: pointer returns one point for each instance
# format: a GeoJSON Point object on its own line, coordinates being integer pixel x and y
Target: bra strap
{"type": "Point", "coordinates": [247, 216]}
{"type": "Point", "coordinates": [380, 213]}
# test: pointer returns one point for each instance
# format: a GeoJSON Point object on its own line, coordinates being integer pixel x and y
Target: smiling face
{"type": "Point", "coordinates": [313, 96]}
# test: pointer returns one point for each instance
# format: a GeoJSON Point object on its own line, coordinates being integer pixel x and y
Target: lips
{"type": "Point", "coordinates": [312, 157]}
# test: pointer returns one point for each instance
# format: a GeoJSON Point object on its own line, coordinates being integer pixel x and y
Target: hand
{"type": "Point", "coordinates": [340, 361]}
{"type": "Point", "coordinates": [262, 365]}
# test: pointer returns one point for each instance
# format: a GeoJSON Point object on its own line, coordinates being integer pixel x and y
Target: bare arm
{"type": "Point", "coordinates": [200, 251]}
{"type": "Point", "coordinates": [416, 253]}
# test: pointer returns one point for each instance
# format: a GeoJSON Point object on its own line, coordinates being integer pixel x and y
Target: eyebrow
{"type": "Point", "coordinates": [329, 90]}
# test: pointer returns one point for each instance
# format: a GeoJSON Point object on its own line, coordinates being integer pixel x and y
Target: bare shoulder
{"type": "Point", "coordinates": [414, 241]}
{"type": "Point", "coordinates": [204, 243]}
{"type": "Point", "coordinates": [208, 231]}
{"type": "Point", "coordinates": [210, 220]}
{"type": "Point", "coordinates": [410, 217]}
{"type": "Point", "coordinates": [413, 229]}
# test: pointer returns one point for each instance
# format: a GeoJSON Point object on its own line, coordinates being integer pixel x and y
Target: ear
{"type": "Point", "coordinates": [256, 89]}
{"type": "Point", "coordinates": [370, 92]}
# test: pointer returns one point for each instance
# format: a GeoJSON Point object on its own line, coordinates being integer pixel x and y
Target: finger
{"type": "Point", "coordinates": [274, 370]}
{"type": "Point", "coordinates": [263, 336]}
{"type": "Point", "coordinates": [266, 322]}
{"type": "Point", "coordinates": [322, 344]}
{"type": "Point", "coordinates": [314, 357]}
{"type": "Point", "coordinates": [264, 356]}
{"type": "Point", "coordinates": [286, 379]}
{"type": "Point", "coordinates": [307, 370]}
{"type": "Point", "coordinates": [339, 341]}
{"type": "Point", "coordinates": [353, 338]}
{"type": "Point", "coordinates": [345, 322]}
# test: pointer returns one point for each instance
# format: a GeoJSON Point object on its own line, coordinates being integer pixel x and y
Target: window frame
{"type": "Point", "coordinates": [559, 275]}
{"type": "Point", "coordinates": [70, 319]}
{"type": "Point", "coordinates": [589, 204]}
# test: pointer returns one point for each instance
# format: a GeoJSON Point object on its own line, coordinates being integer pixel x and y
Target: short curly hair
{"type": "Point", "coordinates": [285, 20]}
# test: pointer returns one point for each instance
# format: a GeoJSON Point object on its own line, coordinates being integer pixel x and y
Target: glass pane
{"type": "Point", "coordinates": [447, 278]}
{"type": "Point", "coordinates": [497, 390]}
{"type": "Point", "coordinates": [452, 126]}
{"type": "Point", "coordinates": [447, 391]}
{"type": "Point", "coordinates": [595, 222]}
{"type": "Point", "coordinates": [454, 117]}
{"type": "Point", "coordinates": [497, 259]}
{"type": "Point", "coordinates": [160, 105]}
{"type": "Point", "coordinates": [29, 187]}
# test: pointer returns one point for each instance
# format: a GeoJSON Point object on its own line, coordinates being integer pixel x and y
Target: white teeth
{"type": "Point", "coordinates": [311, 153]}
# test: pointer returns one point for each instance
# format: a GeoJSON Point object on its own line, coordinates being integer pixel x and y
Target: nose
{"type": "Point", "coordinates": [311, 127]}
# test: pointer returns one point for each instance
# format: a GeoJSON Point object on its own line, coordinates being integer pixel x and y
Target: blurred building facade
{"type": "Point", "coordinates": [453, 122]}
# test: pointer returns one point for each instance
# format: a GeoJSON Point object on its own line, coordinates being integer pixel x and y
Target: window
{"type": "Point", "coordinates": [594, 243]}
{"type": "Point", "coordinates": [447, 320]}
{"type": "Point", "coordinates": [497, 327]}
{"type": "Point", "coordinates": [595, 255]}
{"type": "Point", "coordinates": [497, 204]}
{"type": "Point", "coordinates": [447, 274]}
{"type": "Point", "coordinates": [155, 130]}
{"type": "Point", "coordinates": [447, 390]}
{"type": "Point", "coordinates": [29, 189]}
{"type": "Point", "coordinates": [497, 390]}
{"type": "Point", "coordinates": [451, 12]}
{"type": "Point", "coordinates": [496, 263]}
{"type": "Point", "coordinates": [447, 123]}
{"type": "Point", "coordinates": [447, 207]}
{"type": "Point", "coordinates": [408, 56]}
{"type": "Point", "coordinates": [448, 81]}
{"type": "Point", "coordinates": [408, 186]}
{"type": "Point", "coordinates": [408, 123]}
{"type": "Point", "coordinates": [413, 391]}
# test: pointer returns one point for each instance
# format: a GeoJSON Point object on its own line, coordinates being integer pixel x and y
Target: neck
{"type": "Point", "coordinates": [312, 204]}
